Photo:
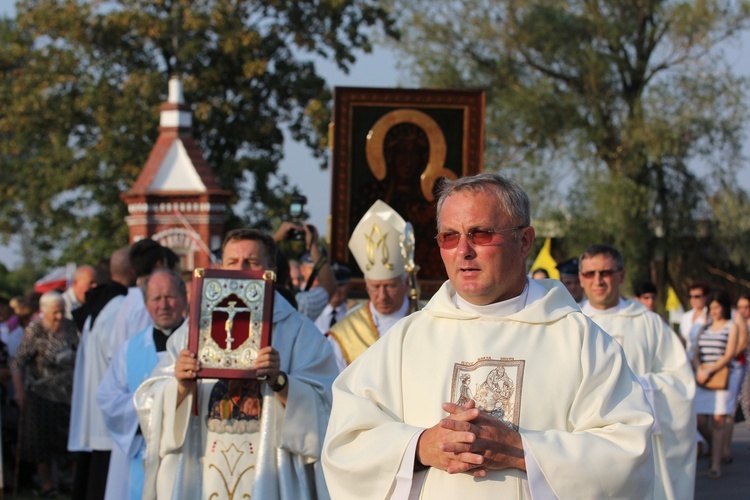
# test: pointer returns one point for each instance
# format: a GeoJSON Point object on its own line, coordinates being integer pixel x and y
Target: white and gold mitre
{"type": "Point", "coordinates": [375, 243]}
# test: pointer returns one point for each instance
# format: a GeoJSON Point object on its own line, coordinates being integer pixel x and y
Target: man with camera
{"type": "Point", "coordinates": [311, 300]}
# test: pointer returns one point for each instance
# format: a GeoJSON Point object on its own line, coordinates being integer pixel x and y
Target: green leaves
{"type": "Point", "coordinates": [80, 89]}
{"type": "Point", "coordinates": [627, 105]}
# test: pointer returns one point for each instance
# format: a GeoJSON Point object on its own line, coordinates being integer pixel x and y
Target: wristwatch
{"type": "Point", "coordinates": [280, 382]}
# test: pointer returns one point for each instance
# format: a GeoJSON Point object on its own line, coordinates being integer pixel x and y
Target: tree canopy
{"type": "Point", "coordinates": [632, 107]}
{"type": "Point", "coordinates": [81, 83]}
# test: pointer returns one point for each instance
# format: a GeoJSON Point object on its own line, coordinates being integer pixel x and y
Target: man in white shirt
{"type": "Point", "coordinates": [165, 297]}
{"type": "Point", "coordinates": [499, 388]}
{"type": "Point", "coordinates": [338, 306]}
{"type": "Point", "coordinates": [125, 317]}
{"type": "Point", "coordinates": [656, 356]}
{"type": "Point", "coordinates": [146, 256]}
{"type": "Point", "coordinates": [88, 435]}
{"type": "Point", "coordinates": [693, 320]}
{"type": "Point", "coordinates": [74, 297]}
{"type": "Point", "coordinates": [252, 438]}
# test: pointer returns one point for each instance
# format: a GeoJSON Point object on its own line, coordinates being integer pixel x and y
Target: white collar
{"type": "Point", "coordinates": [384, 321]}
{"type": "Point", "coordinates": [590, 310]}
{"type": "Point", "coordinates": [498, 309]}
{"type": "Point", "coordinates": [169, 332]}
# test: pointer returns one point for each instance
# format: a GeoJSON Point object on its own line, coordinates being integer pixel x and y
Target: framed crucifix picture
{"type": "Point", "coordinates": [396, 145]}
{"type": "Point", "coordinates": [231, 318]}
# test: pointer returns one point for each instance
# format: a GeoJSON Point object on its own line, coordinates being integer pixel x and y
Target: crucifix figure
{"type": "Point", "coordinates": [229, 325]}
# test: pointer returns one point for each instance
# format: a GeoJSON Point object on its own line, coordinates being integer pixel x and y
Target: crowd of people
{"type": "Point", "coordinates": [506, 383]}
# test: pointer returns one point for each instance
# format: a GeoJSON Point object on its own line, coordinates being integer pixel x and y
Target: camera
{"type": "Point", "coordinates": [296, 211]}
{"type": "Point", "coordinates": [297, 207]}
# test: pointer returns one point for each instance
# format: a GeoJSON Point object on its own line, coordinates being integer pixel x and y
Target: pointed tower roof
{"type": "Point", "coordinates": [176, 164]}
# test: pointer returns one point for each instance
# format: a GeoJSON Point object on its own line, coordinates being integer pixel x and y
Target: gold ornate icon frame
{"type": "Point", "coordinates": [231, 319]}
{"type": "Point", "coordinates": [451, 121]}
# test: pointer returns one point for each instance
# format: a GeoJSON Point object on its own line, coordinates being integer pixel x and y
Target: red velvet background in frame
{"type": "Point", "coordinates": [231, 318]}
{"type": "Point", "coordinates": [396, 145]}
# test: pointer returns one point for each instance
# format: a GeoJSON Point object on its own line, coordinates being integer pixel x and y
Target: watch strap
{"type": "Point", "coordinates": [282, 379]}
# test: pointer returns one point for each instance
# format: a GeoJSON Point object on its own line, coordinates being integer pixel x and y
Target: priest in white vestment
{"type": "Point", "coordinates": [88, 434]}
{"type": "Point", "coordinates": [251, 439]}
{"type": "Point", "coordinates": [655, 354]}
{"type": "Point", "coordinates": [135, 359]}
{"type": "Point", "coordinates": [499, 388]}
{"type": "Point", "coordinates": [146, 256]}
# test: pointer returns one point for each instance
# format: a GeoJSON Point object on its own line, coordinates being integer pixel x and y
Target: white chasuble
{"type": "Point", "coordinates": [656, 356]}
{"type": "Point", "coordinates": [545, 370]}
{"type": "Point", "coordinates": [87, 428]}
{"type": "Point", "coordinates": [244, 443]}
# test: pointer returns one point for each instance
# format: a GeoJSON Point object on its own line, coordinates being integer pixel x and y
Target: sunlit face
{"type": "Point", "coordinates": [52, 316]}
{"type": "Point", "coordinates": [743, 307]}
{"type": "Point", "coordinates": [648, 300]}
{"type": "Point", "coordinates": [540, 275]}
{"type": "Point", "coordinates": [484, 274]}
{"type": "Point", "coordinates": [603, 286]}
{"type": "Point", "coordinates": [164, 301]}
{"type": "Point", "coordinates": [387, 296]}
{"type": "Point", "coordinates": [697, 299]}
{"type": "Point", "coordinates": [85, 280]}
{"type": "Point", "coordinates": [716, 311]}
{"type": "Point", "coordinates": [245, 255]}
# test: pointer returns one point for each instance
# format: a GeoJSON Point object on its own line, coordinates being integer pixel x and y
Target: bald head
{"type": "Point", "coordinates": [119, 267]}
{"type": "Point", "coordinates": [84, 279]}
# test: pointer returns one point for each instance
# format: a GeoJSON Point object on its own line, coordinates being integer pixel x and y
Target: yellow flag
{"type": "Point", "coordinates": [545, 261]}
{"type": "Point", "coordinates": [673, 303]}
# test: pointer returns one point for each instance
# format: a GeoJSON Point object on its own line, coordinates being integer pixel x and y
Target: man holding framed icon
{"type": "Point", "coordinates": [256, 436]}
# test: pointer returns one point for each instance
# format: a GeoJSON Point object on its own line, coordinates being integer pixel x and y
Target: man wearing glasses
{"type": "Point", "coordinates": [693, 320]}
{"type": "Point", "coordinates": [499, 388]}
{"type": "Point", "coordinates": [656, 356]}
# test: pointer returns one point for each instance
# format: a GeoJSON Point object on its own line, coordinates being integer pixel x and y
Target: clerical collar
{"type": "Point", "coordinates": [590, 310]}
{"type": "Point", "coordinates": [329, 308]}
{"type": "Point", "coordinates": [498, 309]}
{"type": "Point", "coordinates": [168, 331]}
{"type": "Point", "coordinates": [161, 336]}
{"type": "Point", "coordinates": [384, 321]}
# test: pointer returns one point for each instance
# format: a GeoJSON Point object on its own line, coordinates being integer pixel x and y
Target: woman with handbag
{"type": "Point", "coordinates": [712, 362]}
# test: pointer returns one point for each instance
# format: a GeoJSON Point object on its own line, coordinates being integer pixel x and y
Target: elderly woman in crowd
{"type": "Point", "coordinates": [42, 372]}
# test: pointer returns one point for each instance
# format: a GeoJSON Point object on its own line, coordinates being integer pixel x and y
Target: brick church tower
{"type": "Point", "coordinates": [176, 200]}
